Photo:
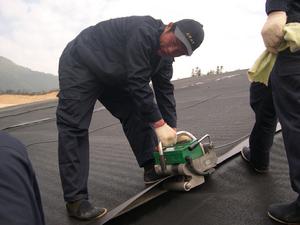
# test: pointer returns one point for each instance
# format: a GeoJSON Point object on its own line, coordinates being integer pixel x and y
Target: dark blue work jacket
{"type": "Point", "coordinates": [123, 51]}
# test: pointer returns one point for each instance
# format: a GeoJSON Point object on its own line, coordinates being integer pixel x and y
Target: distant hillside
{"type": "Point", "coordinates": [19, 79]}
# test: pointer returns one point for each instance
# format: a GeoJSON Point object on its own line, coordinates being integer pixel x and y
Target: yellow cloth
{"type": "Point", "coordinates": [262, 67]}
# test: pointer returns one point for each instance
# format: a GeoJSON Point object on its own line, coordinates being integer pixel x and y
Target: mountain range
{"type": "Point", "coordinates": [18, 79]}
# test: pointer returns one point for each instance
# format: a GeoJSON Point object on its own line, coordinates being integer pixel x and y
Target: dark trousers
{"type": "Point", "coordinates": [20, 201]}
{"type": "Point", "coordinates": [79, 91]}
{"type": "Point", "coordinates": [285, 80]}
{"type": "Point", "coordinates": [262, 134]}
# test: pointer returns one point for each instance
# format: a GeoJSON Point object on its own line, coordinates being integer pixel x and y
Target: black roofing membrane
{"type": "Point", "coordinates": [218, 105]}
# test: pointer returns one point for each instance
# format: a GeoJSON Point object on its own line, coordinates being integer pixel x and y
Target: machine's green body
{"type": "Point", "coordinates": [189, 161]}
{"type": "Point", "coordinates": [178, 153]}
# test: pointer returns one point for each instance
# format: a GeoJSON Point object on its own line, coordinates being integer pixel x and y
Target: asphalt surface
{"type": "Point", "coordinates": [217, 105]}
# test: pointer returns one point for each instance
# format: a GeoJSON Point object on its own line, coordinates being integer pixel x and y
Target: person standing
{"type": "Point", "coordinates": [114, 62]}
{"type": "Point", "coordinates": [285, 83]}
{"type": "Point", "coordinates": [263, 131]}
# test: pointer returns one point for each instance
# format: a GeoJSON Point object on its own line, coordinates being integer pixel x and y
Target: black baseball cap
{"type": "Point", "coordinates": [190, 33]}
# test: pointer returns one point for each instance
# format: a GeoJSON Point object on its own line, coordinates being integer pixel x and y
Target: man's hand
{"type": "Point", "coordinates": [166, 135]}
{"type": "Point", "coordinates": [272, 31]}
{"type": "Point", "coordinates": [181, 138]}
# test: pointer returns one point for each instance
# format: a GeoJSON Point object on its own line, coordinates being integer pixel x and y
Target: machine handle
{"type": "Point", "coordinates": [161, 157]}
{"type": "Point", "coordinates": [161, 152]}
{"type": "Point", "coordinates": [183, 132]}
{"type": "Point", "coordinates": [192, 146]}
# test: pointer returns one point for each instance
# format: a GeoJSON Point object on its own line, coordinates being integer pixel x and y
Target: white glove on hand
{"type": "Point", "coordinates": [166, 135]}
{"type": "Point", "coordinates": [181, 138]}
{"type": "Point", "coordinates": [272, 31]}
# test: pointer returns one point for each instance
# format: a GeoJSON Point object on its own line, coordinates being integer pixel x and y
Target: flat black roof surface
{"type": "Point", "coordinates": [217, 105]}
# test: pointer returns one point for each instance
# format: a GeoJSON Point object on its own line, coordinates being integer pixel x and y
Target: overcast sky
{"type": "Point", "coordinates": [33, 33]}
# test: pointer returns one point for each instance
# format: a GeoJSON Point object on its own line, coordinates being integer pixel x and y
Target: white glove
{"type": "Point", "coordinates": [272, 31]}
{"type": "Point", "coordinates": [166, 135]}
{"type": "Point", "coordinates": [181, 138]}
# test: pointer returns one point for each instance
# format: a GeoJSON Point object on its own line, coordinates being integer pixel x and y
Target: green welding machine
{"type": "Point", "coordinates": [190, 160]}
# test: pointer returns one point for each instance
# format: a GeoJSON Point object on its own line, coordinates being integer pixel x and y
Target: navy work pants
{"type": "Point", "coordinates": [79, 91]}
{"type": "Point", "coordinates": [285, 80]}
{"type": "Point", "coordinates": [20, 201]}
{"type": "Point", "coordinates": [262, 134]}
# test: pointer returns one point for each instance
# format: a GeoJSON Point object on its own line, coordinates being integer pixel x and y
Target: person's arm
{"type": "Point", "coordinates": [272, 31]}
{"type": "Point", "coordinates": [277, 5]}
{"type": "Point", "coordinates": [138, 53]}
{"type": "Point", "coordinates": [164, 92]}
{"type": "Point", "coordinates": [139, 48]}
{"type": "Point", "coordinates": [19, 192]}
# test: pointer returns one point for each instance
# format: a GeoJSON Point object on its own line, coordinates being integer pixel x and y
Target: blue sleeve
{"type": "Point", "coordinates": [19, 191]}
{"type": "Point", "coordinates": [139, 49]}
{"type": "Point", "coordinates": [164, 92]}
{"type": "Point", "coordinates": [277, 5]}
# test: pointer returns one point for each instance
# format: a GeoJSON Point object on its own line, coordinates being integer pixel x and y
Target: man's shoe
{"type": "Point", "coordinates": [285, 213]}
{"type": "Point", "coordinates": [150, 176]}
{"type": "Point", "coordinates": [84, 210]}
{"type": "Point", "coordinates": [247, 157]}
